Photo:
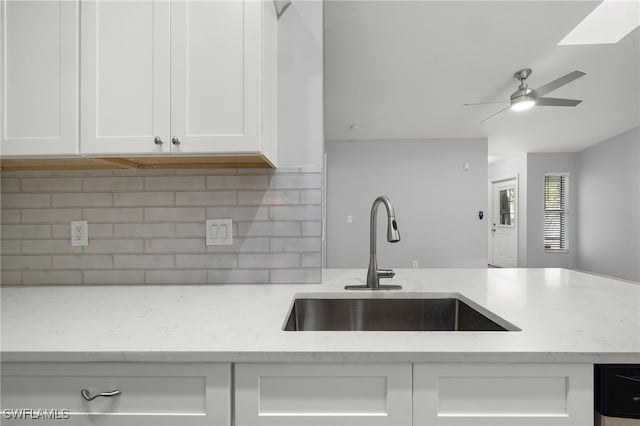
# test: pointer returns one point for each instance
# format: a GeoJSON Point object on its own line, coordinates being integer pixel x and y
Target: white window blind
{"type": "Point", "coordinates": [556, 200]}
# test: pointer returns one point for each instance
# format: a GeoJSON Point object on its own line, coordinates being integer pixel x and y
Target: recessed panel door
{"type": "Point", "coordinates": [125, 77]}
{"type": "Point", "coordinates": [39, 77]}
{"type": "Point", "coordinates": [215, 76]}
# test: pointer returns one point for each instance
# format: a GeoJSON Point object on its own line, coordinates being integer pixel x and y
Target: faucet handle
{"type": "Point", "coordinates": [386, 273]}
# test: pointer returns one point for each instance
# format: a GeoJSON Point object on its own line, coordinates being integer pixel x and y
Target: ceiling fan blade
{"type": "Point", "coordinates": [559, 82]}
{"type": "Point", "coordinates": [557, 102]}
{"type": "Point", "coordinates": [495, 115]}
{"type": "Point", "coordinates": [485, 103]}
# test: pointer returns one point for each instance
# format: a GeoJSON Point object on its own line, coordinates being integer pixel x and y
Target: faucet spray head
{"type": "Point", "coordinates": [393, 234]}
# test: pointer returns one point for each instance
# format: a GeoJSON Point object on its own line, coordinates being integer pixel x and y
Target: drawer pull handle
{"type": "Point", "coordinates": [633, 379]}
{"type": "Point", "coordinates": [86, 395]}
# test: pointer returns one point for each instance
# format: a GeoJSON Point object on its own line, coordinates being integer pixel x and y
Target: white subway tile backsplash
{"type": "Point", "coordinates": [25, 262]}
{"type": "Point", "coordinates": [113, 184]}
{"type": "Point", "coordinates": [147, 227]}
{"type": "Point", "coordinates": [112, 215]}
{"type": "Point", "coordinates": [52, 277]}
{"type": "Point", "coordinates": [238, 276]}
{"type": "Point", "coordinates": [298, 181]}
{"type": "Point", "coordinates": [114, 246]}
{"type": "Point", "coordinates": [292, 276]}
{"type": "Point", "coordinates": [49, 247]}
{"type": "Point", "coordinates": [9, 216]}
{"type": "Point", "coordinates": [143, 199]}
{"type": "Point", "coordinates": [174, 214]}
{"type": "Point", "coordinates": [10, 277]}
{"type": "Point", "coordinates": [174, 183]}
{"type": "Point", "coordinates": [50, 215]}
{"type": "Point", "coordinates": [17, 201]}
{"type": "Point", "coordinates": [144, 230]}
{"type": "Point", "coordinates": [176, 277]}
{"type": "Point", "coordinates": [166, 245]}
{"type": "Point", "coordinates": [83, 261]}
{"type": "Point", "coordinates": [143, 261]}
{"type": "Point", "coordinates": [8, 185]}
{"type": "Point", "coordinates": [295, 245]}
{"type": "Point", "coordinates": [295, 213]}
{"type": "Point", "coordinates": [72, 199]}
{"type": "Point", "coordinates": [279, 260]}
{"type": "Point", "coordinates": [51, 184]}
{"type": "Point", "coordinates": [113, 277]}
{"type": "Point", "coordinates": [207, 261]}
{"type": "Point", "coordinates": [237, 182]}
{"type": "Point", "coordinates": [258, 229]}
{"type": "Point", "coordinates": [25, 232]}
{"type": "Point", "coordinates": [209, 198]}
{"type": "Point", "coordinates": [257, 198]}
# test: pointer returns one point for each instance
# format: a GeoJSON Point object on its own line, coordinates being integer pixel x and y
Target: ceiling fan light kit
{"type": "Point", "coordinates": [525, 97]}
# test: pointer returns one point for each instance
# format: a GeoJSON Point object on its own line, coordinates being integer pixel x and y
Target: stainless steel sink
{"type": "Point", "coordinates": [431, 312]}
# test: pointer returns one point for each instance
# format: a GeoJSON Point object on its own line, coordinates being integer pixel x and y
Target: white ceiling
{"type": "Point", "coordinates": [403, 70]}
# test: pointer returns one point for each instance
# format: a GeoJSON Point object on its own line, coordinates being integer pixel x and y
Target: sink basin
{"type": "Point", "coordinates": [432, 312]}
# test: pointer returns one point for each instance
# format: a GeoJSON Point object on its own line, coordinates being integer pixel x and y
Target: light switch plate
{"type": "Point", "coordinates": [79, 233]}
{"type": "Point", "coordinates": [219, 232]}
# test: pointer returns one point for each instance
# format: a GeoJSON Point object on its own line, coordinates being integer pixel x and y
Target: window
{"type": "Point", "coordinates": [556, 199]}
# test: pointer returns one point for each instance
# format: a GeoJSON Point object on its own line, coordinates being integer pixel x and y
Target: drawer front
{"type": "Point", "coordinates": [158, 394]}
{"type": "Point", "coordinates": [503, 394]}
{"type": "Point", "coordinates": [323, 394]}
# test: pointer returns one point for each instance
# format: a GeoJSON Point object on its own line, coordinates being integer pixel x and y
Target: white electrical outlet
{"type": "Point", "coordinates": [79, 233]}
{"type": "Point", "coordinates": [349, 219]}
{"type": "Point", "coordinates": [219, 232]}
{"type": "Point", "coordinates": [415, 264]}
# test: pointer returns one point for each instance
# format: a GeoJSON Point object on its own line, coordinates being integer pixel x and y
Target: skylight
{"type": "Point", "coordinates": [606, 24]}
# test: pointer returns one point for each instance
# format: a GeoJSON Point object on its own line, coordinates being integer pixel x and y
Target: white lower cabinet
{"type": "Point", "coordinates": [503, 394]}
{"type": "Point", "coordinates": [159, 394]}
{"type": "Point", "coordinates": [323, 394]}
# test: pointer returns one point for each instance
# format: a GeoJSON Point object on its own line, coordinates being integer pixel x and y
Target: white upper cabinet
{"type": "Point", "coordinates": [125, 77]}
{"type": "Point", "coordinates": [39, 75]}
{"type": "Point", "coordinates": [200, 76]}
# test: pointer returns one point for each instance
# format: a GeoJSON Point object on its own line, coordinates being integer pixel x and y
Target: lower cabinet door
{"type": "Point", "coordinates": [503, 394]}
{"type": "Point", "coordinates": [140, 394]}
{"type": "Point", "coordinates": [323, 394]}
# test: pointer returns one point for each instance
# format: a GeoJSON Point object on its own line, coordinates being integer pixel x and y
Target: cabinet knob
{"type": "Point", "coordinates": [87, 396]}
{"type": "Point", "coordinates": [175, 140]}
{"type": "Point", "coordinates": [157, 140]}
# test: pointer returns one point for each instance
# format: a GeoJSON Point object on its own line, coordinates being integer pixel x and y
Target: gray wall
{"type": "Point", "coordinates": [609, 207]}
{"type": "Point", "coordinates": [300, 90]}
{"type": "Point", "coordinates": [537, 166]}
{"type": "Point", "coordinates": [516, 166]}
{"type": "Point", "coordinates": [436, 202]}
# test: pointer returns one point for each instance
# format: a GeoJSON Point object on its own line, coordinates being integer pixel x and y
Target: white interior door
{"type": "Point", "coordinates": [125, 76]}
{"type": "Point", "coordinates": [504, 223]}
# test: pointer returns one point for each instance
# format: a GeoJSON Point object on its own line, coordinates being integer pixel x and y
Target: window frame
{"type": "Point", "coordinates": [566, 210]}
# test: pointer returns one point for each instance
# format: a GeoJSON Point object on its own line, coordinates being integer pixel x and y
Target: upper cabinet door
{"type": "Point", "coordinates": [39, 75]}
{"type": "Point", "coordinates": [125, 77]}
{"type": "Point", "coordinates": [216, 72]}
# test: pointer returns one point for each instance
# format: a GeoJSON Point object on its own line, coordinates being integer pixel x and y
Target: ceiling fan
{"type": "Point", "coordinates": [525, 97]}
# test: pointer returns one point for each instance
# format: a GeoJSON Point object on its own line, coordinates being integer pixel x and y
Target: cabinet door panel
{"type": "Point", "coordinates": [151, 394]}
{"type": "Point", "coordinates": [216, 75]}
{"type": "Point", "coordinates": [125, 76]}
{"type": "Point", "coordinates": [323, 394]}
{"type": "Point", "coordinates": [503, 394]}
{"type": "Point", "coordinates": [39, 78]}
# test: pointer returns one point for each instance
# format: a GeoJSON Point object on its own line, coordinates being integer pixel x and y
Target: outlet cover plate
{"type": "Point", "coordinates": [219, 232]}
{"type": "Point", "coordinates": [79, 233]}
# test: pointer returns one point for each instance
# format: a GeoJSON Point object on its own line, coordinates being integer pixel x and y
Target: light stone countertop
{"type": "Point", "coordinates": [565, 316]}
